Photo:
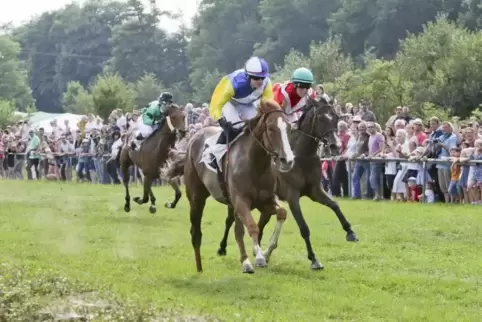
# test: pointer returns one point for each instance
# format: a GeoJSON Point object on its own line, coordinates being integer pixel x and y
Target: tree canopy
{"type": "Point", "coordinates": [391, 52]}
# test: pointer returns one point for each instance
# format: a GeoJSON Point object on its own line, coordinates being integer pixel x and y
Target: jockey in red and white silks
{"type": "Point", "coordinates": [292, 95]}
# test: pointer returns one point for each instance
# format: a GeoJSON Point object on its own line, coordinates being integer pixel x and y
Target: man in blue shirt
{"type": "Point", "coordinates": [445, 142]}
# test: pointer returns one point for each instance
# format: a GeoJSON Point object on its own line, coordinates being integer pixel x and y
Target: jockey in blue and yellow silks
{"type": "Point", "coordinates": [235, 97]}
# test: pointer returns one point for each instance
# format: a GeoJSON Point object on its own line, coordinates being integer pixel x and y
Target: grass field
{"type": "Point", "coordinates": [413, 262]}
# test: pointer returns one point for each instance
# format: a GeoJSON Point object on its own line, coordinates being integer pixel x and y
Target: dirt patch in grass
{"type": "Point", "coordinates": [46, 296]}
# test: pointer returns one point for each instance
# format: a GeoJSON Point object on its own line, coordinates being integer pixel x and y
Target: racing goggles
{"type": "Point", "coordinates": [303, 85]}
{"type": "Point", "coordinates": [256, 78]}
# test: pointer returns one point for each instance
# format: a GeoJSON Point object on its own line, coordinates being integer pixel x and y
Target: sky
{"type": "Point", "coordinates": [20, 11]}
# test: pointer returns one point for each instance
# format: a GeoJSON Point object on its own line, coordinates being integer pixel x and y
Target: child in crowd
{"type": "Point", "coordinates": [465, 155]}
{"type": "Point", "coordinates": [475, 175]}
{"type": "Point", "coordinates": [414, 191]}
{"type": "Point", "coordinates": [429, 196]}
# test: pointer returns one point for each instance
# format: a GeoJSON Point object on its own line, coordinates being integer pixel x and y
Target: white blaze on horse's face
{"type": "Point", "coordinates": [328, 116]}
{"type": "Point", "coordinates": [284, 139]}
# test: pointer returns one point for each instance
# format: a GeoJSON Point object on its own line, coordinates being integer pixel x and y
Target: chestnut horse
{"type": "Point", "coordinates": [247, 180]}
{"type": "Point", "coordinates": [316, 127]}
{"type": "Point", "coordinates": [152, 155]}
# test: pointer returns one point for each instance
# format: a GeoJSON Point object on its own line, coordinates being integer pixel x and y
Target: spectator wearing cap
{"type": "Point", "coordinates": [355, 122]}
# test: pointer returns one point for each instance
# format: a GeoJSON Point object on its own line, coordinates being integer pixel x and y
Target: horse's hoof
{"type": "Point", "coordinates": [261, 262]}
{"type": "Point", "coordinates": [138, 200]}
{"type": "Point", "coordinates": [248, 269]}
{"type": "Point", "coordinates": [152, 209]}
{"type": "Point", "coordinates": [317, 266]}
{"type": "Point", "coordinates": [351, 237]}
{"type": "Point", "coordinates": [127, 208]}
{"type": "Point", "coordinates": [222, 252]}
{"type": "Point", "coordinates": [169, 205]}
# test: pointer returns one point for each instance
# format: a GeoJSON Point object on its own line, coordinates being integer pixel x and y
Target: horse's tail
{"type": "Point", "coordinates": [174, 165]}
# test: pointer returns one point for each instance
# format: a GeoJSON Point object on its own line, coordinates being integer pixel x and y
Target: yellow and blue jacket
{"type": "Point", "coordinates": [236, 87]}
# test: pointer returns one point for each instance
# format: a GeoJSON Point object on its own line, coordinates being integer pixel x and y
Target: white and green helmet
{"type": "Point", "coordinates": [302, 75]}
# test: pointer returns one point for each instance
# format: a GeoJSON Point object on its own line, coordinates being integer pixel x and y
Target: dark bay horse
{"type": "Point", "coordinates": [152, 155]}
{"type": "Point", "coordinates": [249, 173]}
{"type": "Point", "coordinates": [317, 126]}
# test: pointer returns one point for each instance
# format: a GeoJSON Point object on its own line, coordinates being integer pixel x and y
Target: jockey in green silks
{"type": "Point", "coordinates": [152, 115]}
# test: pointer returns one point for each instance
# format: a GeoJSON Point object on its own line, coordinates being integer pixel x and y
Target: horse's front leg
{"type": "Point", "coordinates": [266, 212]}
{"type": "Point", "coordinates": [147, 186]}
{"type": "Point", "coordinates": [125, 180]}
{"type": "Point", "coordinates": [242, 209]}
{"type": "Point", "coordinates": [319, 195]}
{"type": "Point", "coordinates": [152, 208]}
{"type": "Point", "coordinates": [304, 231]}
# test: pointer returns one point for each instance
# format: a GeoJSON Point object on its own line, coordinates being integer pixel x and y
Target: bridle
{"type": "Point", "coordinates": [319, 140]}
{"type": "Point", "coordinates": [263, 117]}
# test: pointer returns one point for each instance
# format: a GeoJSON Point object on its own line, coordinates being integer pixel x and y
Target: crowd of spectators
{"type": "Point", "coordinates": [84, 152]}
{"type": "Point", "coordinates": [374, 163]}
{"type": "Point", "coordinates": [448, 179]}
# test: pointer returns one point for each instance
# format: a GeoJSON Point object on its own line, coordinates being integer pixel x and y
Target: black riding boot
{"type": "Point", "coordinates": [223, 139]}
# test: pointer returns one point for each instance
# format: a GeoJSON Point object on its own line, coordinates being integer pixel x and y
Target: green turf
{"type": "Point", "coordinates": [413, 263]}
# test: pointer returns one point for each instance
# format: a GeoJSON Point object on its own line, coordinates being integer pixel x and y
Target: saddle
{"type": "Point", "coordinates": [137, 141]}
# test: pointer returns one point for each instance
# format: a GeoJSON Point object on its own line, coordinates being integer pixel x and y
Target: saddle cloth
{"type": "Point", "coordinates": [218, 150]}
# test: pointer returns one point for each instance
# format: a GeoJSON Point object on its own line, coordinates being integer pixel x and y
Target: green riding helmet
{"type": "Point", "coordinates": [302, 76]}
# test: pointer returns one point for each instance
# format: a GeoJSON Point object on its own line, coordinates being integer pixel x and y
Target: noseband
{"type": "Point", "coordinates": [273, 154]}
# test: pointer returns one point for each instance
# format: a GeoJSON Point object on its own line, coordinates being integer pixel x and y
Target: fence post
{"type": "Point", "coordinates": [349, 177]}
{"type": "Point", "coordinates": [424, 178]}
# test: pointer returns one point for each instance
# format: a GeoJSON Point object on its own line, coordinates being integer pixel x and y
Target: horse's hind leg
{"type": "Point", "coordinates": [320, 196]}
{"type": "Point", "coordinates": [125, 180]}
{"type": "Point", "coordinates": [174, 183]}
{"type": "Point", "coordinates": [228, 223]}
{"type": "Point", "coordinates": [197, 195]}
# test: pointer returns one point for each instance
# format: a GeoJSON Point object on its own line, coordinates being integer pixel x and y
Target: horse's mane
{"type": "Point", "coordinates": [265, 106]}
{"type": "Point", "coordinates": [268, 105]}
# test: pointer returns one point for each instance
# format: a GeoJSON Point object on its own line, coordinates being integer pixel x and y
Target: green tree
{"type": "Point", "coordinates": [325, 59]}
{"type": "Point", "coordinates": [224, 33]}
{"type": "Point", "coordinates": [13, 82]}
{"type": "Point", "coordinates": [146, 89]}
{"type": "Point", "coordinates": [293, 24]}
{"type": "Point", "coordinates": [77, 100]}
{"type": "Point", "coordinates": [110, 92]}
{"type": "Point", "coordinates": [7, 113]}
{"type": "Point", "coordinates": [445, 65]}
{"type": "Point", "coordinates": [70, 44]}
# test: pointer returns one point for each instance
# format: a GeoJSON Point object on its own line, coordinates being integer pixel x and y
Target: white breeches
{"type": "Point", "coordinates": [235, 112]}
{"type": "Point", "coordinates": [143, 129]}
{"type": "Point", "coordinates": [294, 117]}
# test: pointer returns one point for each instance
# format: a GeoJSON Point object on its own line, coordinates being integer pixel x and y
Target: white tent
{"type": "Point", "coordinates": [73, 120]}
